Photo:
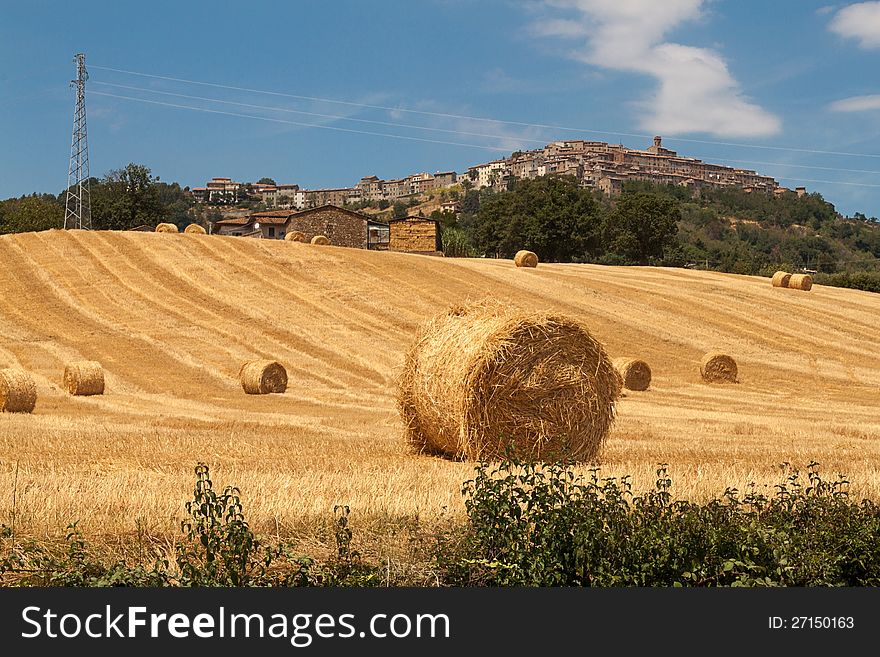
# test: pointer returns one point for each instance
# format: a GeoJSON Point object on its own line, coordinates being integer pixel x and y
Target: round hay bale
{"type": "Point", "coordinates": [85, 377]}
{"type": "Point", "coordinates": [801, 282]}
{"type": "Point", "coordinates": [18, 392]}
{"type": "Point", "coordinates": [634, 374]}
{"type": "Point", "coordinates": [320, 239]}
{"type": "Point", "coordinates": [261, 377]}
{"type": "Point", "coordinates": [781, 279]}
{"type": "Point", "coordinates": [295, 236]}
{"type": "Point", "coordinates": [525, 259]}
{"type": "Point", "coordinates": [718, 368]}
{"type": "Point", "coordinates": [166, 228]}
{"type": "Point", "coordinates": [487, 382]}
{"type": "Point", "coordinates": [195, 229]}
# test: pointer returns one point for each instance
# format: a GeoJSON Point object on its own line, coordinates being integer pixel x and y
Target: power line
{"type": "Point", "coordinates": [382, 134]}
{"type": "Point", "coordinates": [77, 207]}
{"type": "Point", "coordinates": [299, 123]}
{"type": "Point", "coordinates": [323, 116]}
{"type": "Point", "coordinates": [478, 118]}
{"type": "Point", "coordinates": [444, 130]}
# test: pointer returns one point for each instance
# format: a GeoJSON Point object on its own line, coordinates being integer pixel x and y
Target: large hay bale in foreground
{"type": "Point", "coordinates": [320, 239]}
{"type": "Point", "coordinates": [486, 382]}
{"type": "Point", "coordinates": [295, 236]}
{"type": "Point", "coordinates": [525, 259]}
{"type": "Point", "coordinates": [634, 374]}
{"type": "Point", "coordinates": [18, 392]}
{"type": "Point", "coordinates": [85, 377]}
{"type": "Point", "coordinates": [166, 228]}
{"type": "Point", "coordinates": [195, 229]}
{"type": "Point", "coordinates": [718, 368]}
{"type": "Point", "coordinates": [781, 279]}
{"type": "Point", "coordinates": [261, 377]}
{"type": "Point", "coordinates": [801, 282]}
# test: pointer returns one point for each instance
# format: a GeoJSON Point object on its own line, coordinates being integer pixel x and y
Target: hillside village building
{"type": "Point", "coordinates": [596, 164]}
{"type": "Point", "coordinates": [607, 167]}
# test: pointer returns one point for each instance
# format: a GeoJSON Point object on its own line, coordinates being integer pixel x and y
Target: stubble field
{"type": "Point", "coordinates": [172, 318]}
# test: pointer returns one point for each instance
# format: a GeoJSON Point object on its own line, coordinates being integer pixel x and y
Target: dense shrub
{"type": "Point", "coordinates": [543, 525]}
{"type": "Point", "coordinates": [868, 281]}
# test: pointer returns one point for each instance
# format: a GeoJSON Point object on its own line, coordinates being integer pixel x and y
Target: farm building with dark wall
{"type": "Point", "coordinates": [414, 235]}
{"type": "Point", "coordinates": [342, 227]}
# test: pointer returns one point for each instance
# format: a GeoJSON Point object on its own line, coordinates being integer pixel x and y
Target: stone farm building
{"type": "Point", "coordinates": [414, 235]}
{"type": "Point", "coordinates": [341, 226]}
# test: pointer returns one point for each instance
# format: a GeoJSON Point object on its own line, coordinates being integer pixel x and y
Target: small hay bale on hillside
{"type": "Point", "coordinates": [262, 377]}
{"type": "Point", "coordinates": [485, 382]}
{"type": "Point", "coordinates": [801, 282]}
{"type": "Point", "coordinates": [634, 374]}
{"type": "Point", "coordinates": [525, 259]}
{"type": "Point", "coordinates": [320, 239]}
{"type": "Point", "coordinates": [18, 392]}
{"type": "Point", "coordinates": [718, 368]}
{"type": "Point", "coordinates": [781, 279]}
{"type": "Point", "coordinates": [166, 228]}
{"type": "Point", "coordinates": [85, 377]}
{"type": "Point", "coordinates": [295, 236]}
{"type": "Point", "coordinates": [195, 229]}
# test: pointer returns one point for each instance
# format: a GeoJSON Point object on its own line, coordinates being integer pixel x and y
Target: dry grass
{"type": "Point", "coordinates": [634, 374]}
{"type": "Point", "coordinates": [84, 377]}
{"type": "Point", "coordinates": [718, 368]}
{"type": "Point", "coordinates": [781, 279]}
{"type": "Point", "coordinates": [18, 394]}
{"type": "Point", "coordinates": [525, 259]}
{"type": "Point", "coordinates": [262, 377]}
{"type": "Point", "coordinates": [801, 282]}
{"type": "Point", "coordinates": [484, 381]}
{"type": "Point", "coordinates": [167, 317]}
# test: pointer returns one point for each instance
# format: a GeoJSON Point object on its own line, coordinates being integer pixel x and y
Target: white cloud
{"type": "Point", "coordinates": [695, 92]}
{"type": "Point", "coordinates": [859, 21]}
{"type": "Point", "coordinates": [558, 27]}
{"type": "Point", "coordinates": [857, 104]}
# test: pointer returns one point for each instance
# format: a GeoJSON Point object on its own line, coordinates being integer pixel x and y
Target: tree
{"type": "Point", "coordinates": [399, 210]}
{"type": "Point", "coordinates": [640, 227]}
{"type": "Point", "coordinates": [30, 213]}
{"type": "Point", "coordinates": [266, 181]}
{"type": "Point", "coordinates": [124, 199]}
{"type": "Point", "coordinates": [131, 197]}
{"type": "Point", "coordinates": [552, 216]}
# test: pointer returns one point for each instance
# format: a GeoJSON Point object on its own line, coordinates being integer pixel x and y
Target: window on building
{"type": "Point", "coordinates": [271, 231]}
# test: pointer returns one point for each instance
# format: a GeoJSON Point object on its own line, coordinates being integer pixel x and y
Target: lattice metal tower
{"type": "Point", "coordinates": [78, 211]}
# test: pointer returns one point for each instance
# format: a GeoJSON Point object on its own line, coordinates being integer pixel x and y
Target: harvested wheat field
{"type": "Point", "coordinates": [172, 320]}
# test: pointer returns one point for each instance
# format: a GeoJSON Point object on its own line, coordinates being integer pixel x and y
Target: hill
{"type": "Point", "coordinates": [172, 317]}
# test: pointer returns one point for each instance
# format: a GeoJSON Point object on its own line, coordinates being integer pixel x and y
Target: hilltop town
{"type": "Point", "coordinates": [595, 164]}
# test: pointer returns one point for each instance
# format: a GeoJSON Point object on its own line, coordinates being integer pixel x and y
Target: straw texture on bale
{"type": "Point", "coordinates": [485, 381]}
{"type": "Point", "coordinates": [320, 239]}
{"type": "Point", "coordinates": [261, 377]}
{"type": "Point", "coordinates": [85, 377]}
{"type": "Point", "coordinates": [801, 282]}
{"type": "Point", "coordinates": [166, 228]}
{"type": "Point", "coordinates": [295, 236]}
{"type": "Point", "coordinates": [781, 279]}
{"type": "Point", "coordinates": [525, 259]}
{"type": "Point", "coordinates": [18, 392]}
{"type": "Point", "coordinates": [195, 228]}
{"type": "Point", "coordinates": [718, 368]}
{"type": "Point", "coordinates": [634, 374]}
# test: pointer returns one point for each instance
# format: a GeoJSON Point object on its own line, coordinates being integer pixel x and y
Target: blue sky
{"type": "Point", "coordinates": [789, 88]}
